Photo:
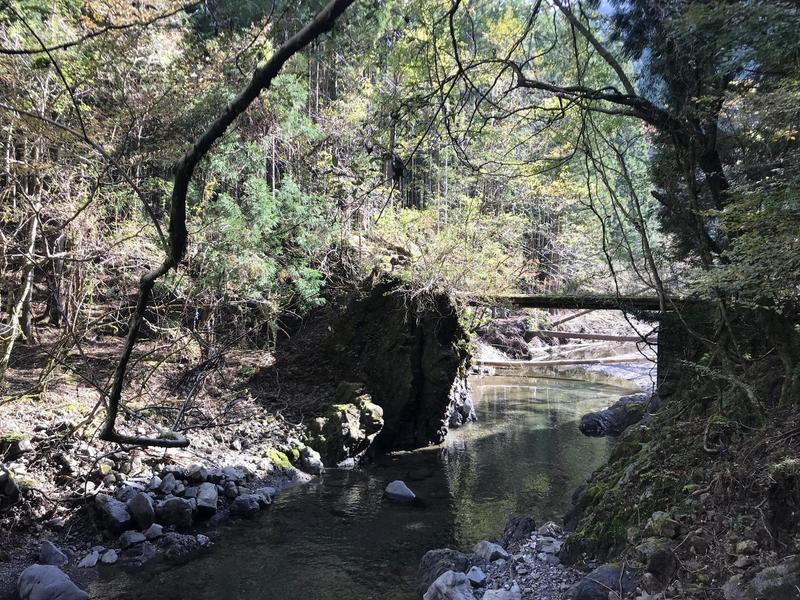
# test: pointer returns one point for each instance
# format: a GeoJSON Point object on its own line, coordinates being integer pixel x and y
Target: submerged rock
{"type": "Point", "coordinates": [47, 582]}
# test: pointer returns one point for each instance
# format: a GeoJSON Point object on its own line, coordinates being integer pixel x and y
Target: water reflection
{"type": "Point", "coordinates": [338, 538]}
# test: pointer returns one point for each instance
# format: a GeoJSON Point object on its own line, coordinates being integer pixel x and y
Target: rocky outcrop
{"type": "Point", "coordinates": [408, 350]}
{"type": "Point", "coordinates": [612, 421]}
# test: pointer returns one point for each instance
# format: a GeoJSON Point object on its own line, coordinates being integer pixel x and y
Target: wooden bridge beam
{"type": "Point", "coordinates": [571, 301]}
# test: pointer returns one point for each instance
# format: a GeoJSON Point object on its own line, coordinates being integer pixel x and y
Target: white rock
{"type": "Point", "coordinates": [490, 551]}
{"type": "Point", "coordinates": [109, 557]}
{"type": "Point", "coordinates": [90, 560]}
{"type": "Point", "coordinates": [513, 594]}
{"type": "Point", "coordinates": [450, 585]}
{"type": "Point", "coordinates": [476, 576]}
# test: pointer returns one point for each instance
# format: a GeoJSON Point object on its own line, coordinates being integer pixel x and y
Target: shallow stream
{"type": "Point", "coordinates": [337, 538]}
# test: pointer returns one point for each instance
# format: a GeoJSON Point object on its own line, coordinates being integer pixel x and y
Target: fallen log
{"type": "Point", "coordinates": [628, 358]}
{"type": "Point", "coordinates": [592, 336]}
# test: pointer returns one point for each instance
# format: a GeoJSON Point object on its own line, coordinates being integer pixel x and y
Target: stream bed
{"type": "Point", "coordinates": [338, 538]}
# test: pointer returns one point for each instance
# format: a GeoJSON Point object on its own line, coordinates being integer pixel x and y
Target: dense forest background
{"type": "Point", "coordinates": [480, 147]}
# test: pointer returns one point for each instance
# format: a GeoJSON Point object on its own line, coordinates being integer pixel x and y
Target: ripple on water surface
{"type": "Point", "coordinates": [337, 539]}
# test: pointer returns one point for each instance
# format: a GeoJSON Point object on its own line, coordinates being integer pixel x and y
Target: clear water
{"type": "Point", "coordinates": [337, 538]}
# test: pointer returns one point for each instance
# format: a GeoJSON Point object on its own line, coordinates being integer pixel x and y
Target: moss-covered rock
{"type": "Point", "coordinates": [349, 425]}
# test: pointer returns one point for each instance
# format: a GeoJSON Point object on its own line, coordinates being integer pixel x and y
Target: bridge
{"type": "Point", "coordinates": [577, 302]}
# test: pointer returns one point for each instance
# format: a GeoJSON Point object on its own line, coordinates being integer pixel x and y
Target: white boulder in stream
{"type": "Point", "coordinates": [450, 585]}
{"type": "Point", "coordinates": [398, 491]}
{"type": "Point", "coordinates": [47, 582]}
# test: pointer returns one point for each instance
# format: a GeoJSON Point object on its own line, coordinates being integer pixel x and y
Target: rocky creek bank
{"type": "Point", "coordinates": [139, 505]}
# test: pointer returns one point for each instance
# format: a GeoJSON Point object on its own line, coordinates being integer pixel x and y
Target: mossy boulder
{"type": "Point", "coordinates": [349, 425]}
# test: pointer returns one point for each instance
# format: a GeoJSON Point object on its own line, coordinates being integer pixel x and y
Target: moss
{"type": "Point", "coordinates": [11, 437]}
{"type": "Point", "coordinates": [295, 454]}
{"type": "Point", "coordinates": [279, 459]}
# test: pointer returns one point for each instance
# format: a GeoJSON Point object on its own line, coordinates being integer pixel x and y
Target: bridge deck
{"type": "Point", "coordinates": [573, 301]}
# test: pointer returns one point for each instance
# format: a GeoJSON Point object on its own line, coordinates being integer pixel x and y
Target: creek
{"type": "Point", "coordinates": [338, 538]}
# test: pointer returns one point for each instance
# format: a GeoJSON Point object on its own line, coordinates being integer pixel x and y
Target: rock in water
{"type": "Point", "coordinates": [410, 351]}
{"type": "Point", "coordinates": [512, 594]}
{"type": "Point", "coordinates": [207, 499]}
{"type": "Point", "coordinates": [47, 582]}
{"type": "Point", "coordinates": [113, 513]}
{"type": "Point", "coordinates": [49, 554]}
{"type": "Point", "coordinates": [490, 551]}
{"type": "Point", "coordinates": [141, 508]}
{"type": "Point", "coordinates": [613, 420]}
{"type": "Point", "coordinates": [311, 461]}
{"type": "Point", "coordinates": [398, 491]}
{"type": "Point", "coordinates": [450, 585]}
{"type": "Point", "coordinates": [246, 505]}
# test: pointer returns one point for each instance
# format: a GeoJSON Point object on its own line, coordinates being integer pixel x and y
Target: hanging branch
{"type": "Point", "coordinates": [184, 169]}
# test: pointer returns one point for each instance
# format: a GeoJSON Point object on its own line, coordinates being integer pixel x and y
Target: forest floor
{"type": "Point", "coordinates": [49, 437]}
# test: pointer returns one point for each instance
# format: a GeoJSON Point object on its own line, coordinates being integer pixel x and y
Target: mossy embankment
{"type": "Point", "coordinates": [712, 482]}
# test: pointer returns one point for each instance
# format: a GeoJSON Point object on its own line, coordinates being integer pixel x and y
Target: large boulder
{"type": "Point", "coordinates": [612, 421]}
{"type": "Point", "coordinates": [47, 582]}
{"type": "Point", "coordinates": [410, 350]}
{"type": "Point", "coordinates": [518, 529]}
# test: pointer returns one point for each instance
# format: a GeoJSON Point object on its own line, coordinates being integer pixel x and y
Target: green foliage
{"type": "Point", "coordinates": [255, 244]}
